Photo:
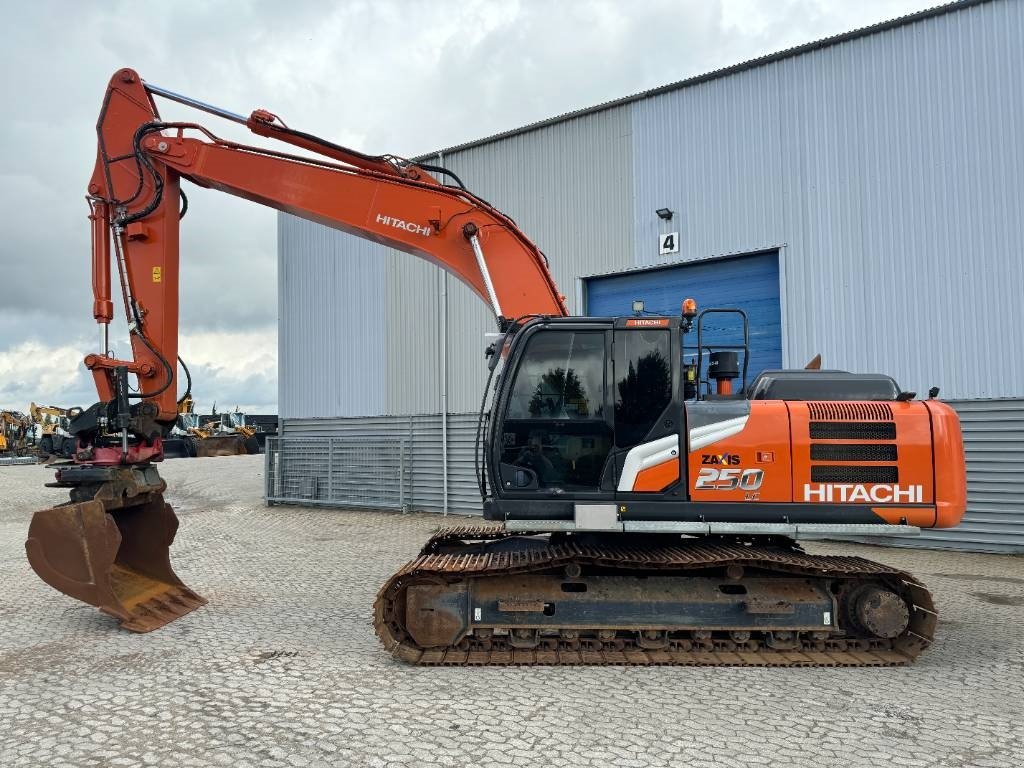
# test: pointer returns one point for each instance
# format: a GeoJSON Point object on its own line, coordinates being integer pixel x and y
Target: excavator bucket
{"type": "Point", "coordinates": [221, 445]}
{"type": "Point", "coordinates": [175, 448]}
{"type": "Point", "coordinates": [113, 551]}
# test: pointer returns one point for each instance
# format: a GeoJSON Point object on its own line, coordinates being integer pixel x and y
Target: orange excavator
{"type": "Point", "coordinates": [649, 500]}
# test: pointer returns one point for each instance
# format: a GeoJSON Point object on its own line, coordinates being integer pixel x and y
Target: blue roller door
{"type": "Point", "coordinates": [750, 283]}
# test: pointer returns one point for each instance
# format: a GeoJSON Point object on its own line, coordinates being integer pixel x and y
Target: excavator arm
{"type": "Point", "coordinates": [136, 206]}
{"type": "Point", "coordinates": [109, 547]}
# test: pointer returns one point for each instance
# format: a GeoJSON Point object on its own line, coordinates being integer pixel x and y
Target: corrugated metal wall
{"type": "Point", "coordinates": [333, 326]}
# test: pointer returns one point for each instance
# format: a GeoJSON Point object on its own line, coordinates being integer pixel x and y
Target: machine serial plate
{"type": "Point", "coordinates": [597, 517]}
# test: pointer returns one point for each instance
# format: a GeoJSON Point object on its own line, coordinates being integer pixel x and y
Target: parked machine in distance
{"type": "Point", "coordinates": [649, 511]}
{"type": "Point", "coordinates": [265, 426]}
{"type": "Point", "coordinates": [223, 434]}
{"type": "Point", "coordinates": [53, 427]}
{"type": "Point", "coordinates": [193, 435]}
{"type": "Point", "coordinates": [16, 438]}
{"type": "Point", "coordinates": [233, 423]}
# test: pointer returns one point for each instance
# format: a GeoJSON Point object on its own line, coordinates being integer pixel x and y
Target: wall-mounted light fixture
{"type": "Point", "coordinates": [638, 306]}
{"type": "Point", "coordinates": [665, 213]}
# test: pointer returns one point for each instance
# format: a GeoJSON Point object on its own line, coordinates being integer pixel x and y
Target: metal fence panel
{"type": "Point", "coordinates": [424, 468]}
{"type": "Point", "coordinates": [350, 471]}
{"type": "Point", "coordinates": [10, 460]}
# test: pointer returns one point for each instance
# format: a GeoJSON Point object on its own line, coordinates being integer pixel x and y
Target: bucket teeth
{"type": "Point", "coordinates": [162, 609]}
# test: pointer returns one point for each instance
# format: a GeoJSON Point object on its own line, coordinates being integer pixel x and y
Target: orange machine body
{"type": "Point", "coordinates": [903, 460]}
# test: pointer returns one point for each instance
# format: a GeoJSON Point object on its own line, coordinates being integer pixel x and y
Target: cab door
{"type": "Point", "coordinates": [556, 431]}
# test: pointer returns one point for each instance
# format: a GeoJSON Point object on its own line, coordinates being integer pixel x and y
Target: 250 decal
{"type": "Point", "coordinates": [729, 479]}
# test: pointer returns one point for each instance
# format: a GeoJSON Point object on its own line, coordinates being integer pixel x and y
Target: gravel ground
{"type": "Point", "coordinates": [282, 667]}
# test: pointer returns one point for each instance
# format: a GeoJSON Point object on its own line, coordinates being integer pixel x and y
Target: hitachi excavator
{"type": "Point", "coordinates": [649, 510]}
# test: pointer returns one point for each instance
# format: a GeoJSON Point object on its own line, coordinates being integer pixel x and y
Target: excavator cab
{"type": "Point", "coordinates": [586, 393]}
{"type": "Point", "coordinates": [576, 397]}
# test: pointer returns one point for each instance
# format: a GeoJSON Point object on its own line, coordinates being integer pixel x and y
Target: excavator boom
{"type": "Point", "coordinates": [134, 193]}
{"type": "Point", "coordinates": [100, 549]}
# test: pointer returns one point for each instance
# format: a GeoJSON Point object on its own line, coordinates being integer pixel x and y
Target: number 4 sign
{"type": "Point", "coordinates": [668, 243]}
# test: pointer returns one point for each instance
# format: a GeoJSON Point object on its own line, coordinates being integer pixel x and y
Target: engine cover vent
{"type": "Point", "coordinates": [853, 430]}
{"type": "Point", "coordinates": [832, 473]}
{"type": "Point", "coordinates": [838, 411]}
{"type": "Point", "coordinates": [854, 451]}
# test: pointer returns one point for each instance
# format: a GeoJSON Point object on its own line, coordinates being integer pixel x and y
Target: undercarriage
{"type": "Point", "coordinates": [483, 595]}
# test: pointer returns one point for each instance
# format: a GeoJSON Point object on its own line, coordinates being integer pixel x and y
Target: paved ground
{"type": "Point", "coordinates": [283, 669]}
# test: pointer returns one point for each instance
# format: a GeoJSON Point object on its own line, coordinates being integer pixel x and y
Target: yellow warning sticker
{"type": "Point", "coordinates": [157, 274]}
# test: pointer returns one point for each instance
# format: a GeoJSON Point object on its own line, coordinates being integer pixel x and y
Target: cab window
{"type": "Point", "coordinates": [643, 383]}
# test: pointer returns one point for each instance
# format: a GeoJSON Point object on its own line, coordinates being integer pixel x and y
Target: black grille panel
{"type": "Point", "coordinates": [853, 452]}
{"type": "Point", "coordinates": [840, 411]}
{"type": "Point", "coordinates": [853, 430]}
{"type": "Point", "coordinates": [831, 473]}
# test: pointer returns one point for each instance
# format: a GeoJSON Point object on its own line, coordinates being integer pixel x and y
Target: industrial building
{"type": "Point", "coordinates": [860, 197]}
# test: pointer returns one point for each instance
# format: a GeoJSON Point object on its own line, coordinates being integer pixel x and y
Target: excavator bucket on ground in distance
{"type": "Point", "coordinates": [220, 445]}
{"type": "Point", "coordinates": [109, 546]}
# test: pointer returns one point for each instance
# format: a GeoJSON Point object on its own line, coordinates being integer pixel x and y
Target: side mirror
{"type": "Point", "coordinates": [493, 352]}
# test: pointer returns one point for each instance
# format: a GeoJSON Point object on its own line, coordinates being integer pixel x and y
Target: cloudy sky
{"type": "Point", "coordinates": [395, 76]}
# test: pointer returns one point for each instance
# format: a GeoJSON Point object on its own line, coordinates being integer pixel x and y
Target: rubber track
{"type": "Point", "coordinates": [440, 558]}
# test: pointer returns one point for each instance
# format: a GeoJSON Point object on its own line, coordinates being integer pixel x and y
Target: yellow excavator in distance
{"type": "Point", "coordinates": [54, 439]}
